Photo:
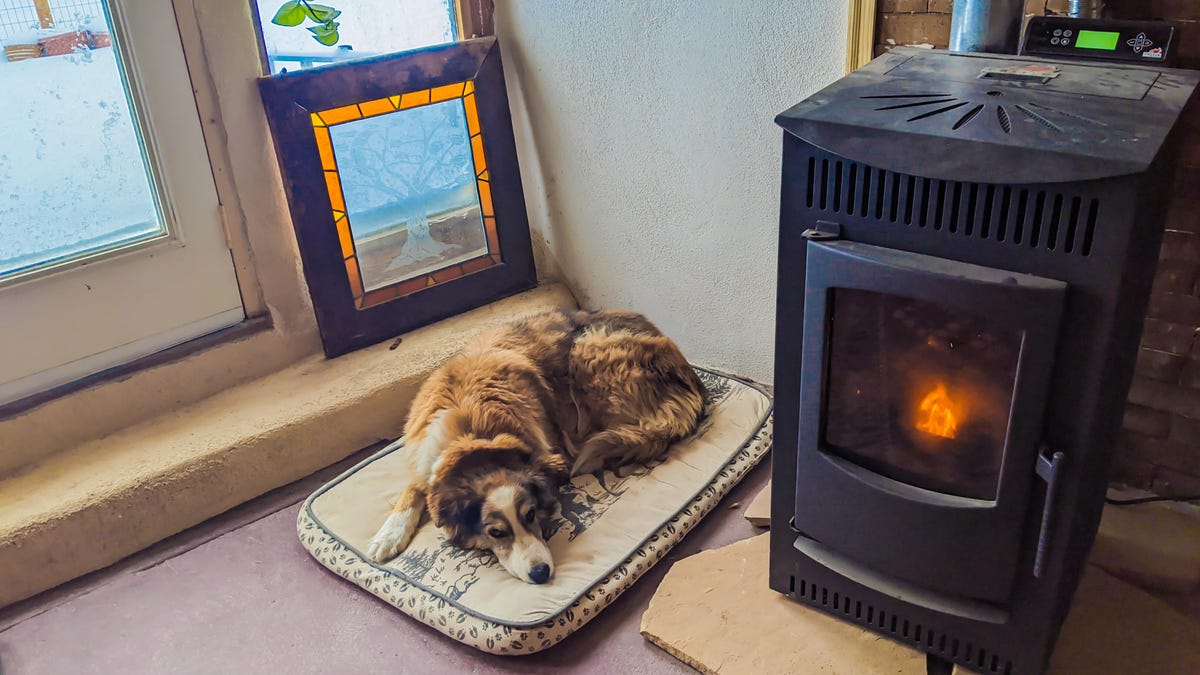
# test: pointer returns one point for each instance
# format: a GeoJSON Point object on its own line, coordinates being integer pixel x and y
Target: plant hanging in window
{"type": "Point", "coordinates": [295, 12]}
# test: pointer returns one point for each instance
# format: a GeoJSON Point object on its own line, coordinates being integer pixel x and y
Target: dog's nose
{"type": "Point", "coordinates": [540, 573]}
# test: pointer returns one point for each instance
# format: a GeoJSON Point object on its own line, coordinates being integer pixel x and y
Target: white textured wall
{"type": "Point", "coordinates": [650, 158]}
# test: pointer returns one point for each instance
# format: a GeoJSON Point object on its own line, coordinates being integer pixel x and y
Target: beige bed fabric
{"type": "Point", "coordinates": [611, 530]}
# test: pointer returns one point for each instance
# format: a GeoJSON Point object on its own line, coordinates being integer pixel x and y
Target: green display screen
{"type": "Point", "coordinates": [1094, 39]}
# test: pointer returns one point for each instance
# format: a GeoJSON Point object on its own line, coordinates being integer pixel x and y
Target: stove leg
{"type": "Point", "coordinates": [936, 665]}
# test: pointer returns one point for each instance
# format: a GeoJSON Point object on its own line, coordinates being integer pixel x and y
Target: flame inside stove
{"type": "Point", "coordinates": [937, 414]}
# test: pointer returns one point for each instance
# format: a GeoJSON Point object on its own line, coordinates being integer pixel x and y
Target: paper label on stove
{"type": "Point", "coordinates": [1028, 70]}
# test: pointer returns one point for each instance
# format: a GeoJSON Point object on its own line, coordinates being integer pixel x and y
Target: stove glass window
{"type": "Point", "coordinates": [919, 392]}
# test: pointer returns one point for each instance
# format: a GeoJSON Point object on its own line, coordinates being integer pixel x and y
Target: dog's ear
{"type": "Point", "coordinates": [543, 490]}
{"type": "Point", "coordinates": [547, 473]}
{"type": "Point", "coordinates": [543, 487]}
{"type": "Point", "coordinates": [453, 502]}
{"type": "Point", "coordinates": [455, 510]}
{"type": "Point", "coordinates": [552, 466]}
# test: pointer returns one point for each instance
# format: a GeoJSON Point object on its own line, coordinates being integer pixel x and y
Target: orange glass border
{"type": "Point", "coordinates": [323, 119]}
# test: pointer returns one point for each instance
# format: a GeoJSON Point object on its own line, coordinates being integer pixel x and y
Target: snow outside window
{"type": "Point", "coordinates": [111, 244]}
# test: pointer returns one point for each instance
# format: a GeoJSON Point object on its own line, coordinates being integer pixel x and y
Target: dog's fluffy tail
{"type": "Point", "coordinates": [638, 443]}
{"type": "Point", "coordinates": [705, 421]}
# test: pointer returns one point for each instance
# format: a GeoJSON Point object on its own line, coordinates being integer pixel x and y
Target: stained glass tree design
{"type": "Point", "coordinates": [401, 169]}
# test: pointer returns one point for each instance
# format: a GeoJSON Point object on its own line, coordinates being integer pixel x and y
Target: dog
{"type": "Point", "coordinates": [502, 425]}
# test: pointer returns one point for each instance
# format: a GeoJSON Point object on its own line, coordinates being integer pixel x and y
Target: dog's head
{"type": "Point", "coordinates": [499, 495]}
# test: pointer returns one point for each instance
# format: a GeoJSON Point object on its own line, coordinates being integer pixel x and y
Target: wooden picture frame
{"type": "Point", "coordinates": [357, 300]}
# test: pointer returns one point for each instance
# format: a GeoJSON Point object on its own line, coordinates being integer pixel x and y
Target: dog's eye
{"type": "Point", "coordinates": [529, 516]}
{"type": "Point", "coordinates": [496, 533]}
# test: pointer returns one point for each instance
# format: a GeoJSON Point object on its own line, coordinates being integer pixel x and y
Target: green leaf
{"type": "Point", "coordinates": [326, 34]}
{"type": "Point", "coordinates": [325, 28]}
{"type": "Point", "coordinates": [321, 13]}
{"type": "Point", "coordinates": [289, 14]}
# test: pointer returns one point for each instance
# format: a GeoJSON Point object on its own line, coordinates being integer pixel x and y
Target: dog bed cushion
{"type": "Point", "coordinates": [611, 530]}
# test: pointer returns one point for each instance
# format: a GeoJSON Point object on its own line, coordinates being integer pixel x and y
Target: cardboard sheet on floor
{"type": "Point", "coordinates": [611, 531]}
{"type": "Point", "coordinates": [716, 612]}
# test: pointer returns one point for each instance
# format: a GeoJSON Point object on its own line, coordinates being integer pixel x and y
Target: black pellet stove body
{"type": "Point", "coordinates": [967, 244]}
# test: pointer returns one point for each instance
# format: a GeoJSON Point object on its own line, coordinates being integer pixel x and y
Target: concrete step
{"type": "Point", "coordinates": [88, 507]}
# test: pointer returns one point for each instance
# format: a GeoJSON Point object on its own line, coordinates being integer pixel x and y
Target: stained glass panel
{"type": "Point", "coordinates": [413, 184]}
{"type": "Point", "coordinates": [357, 298]}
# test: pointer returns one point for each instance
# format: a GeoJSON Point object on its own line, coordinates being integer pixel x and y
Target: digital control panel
{"type": "Point", "coordinates": [1101, 39]}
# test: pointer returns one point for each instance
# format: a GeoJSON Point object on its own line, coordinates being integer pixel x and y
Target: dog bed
{"type": "Point", "coordinates": [611, 530]}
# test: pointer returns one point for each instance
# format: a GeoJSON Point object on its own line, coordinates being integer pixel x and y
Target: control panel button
{"type": "Point", "coordinates": [1068, 33]}
{"type": "Point", "coordinates": [1057, 32]}
{"type": "Point", "coordinates": [1055, 41]}
{"type": "Point", "coordinates": [1066, 42]}
{"type": "Point", "coordinates": [1140, 42]}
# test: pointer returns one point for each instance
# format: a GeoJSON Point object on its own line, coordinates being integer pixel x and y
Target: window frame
{"type": "Point", "coordinates": [860, 36]}
{"type": "Point", "coordinates": [135, 298]}
{"type": "Point", "coordinates": [223, 53]}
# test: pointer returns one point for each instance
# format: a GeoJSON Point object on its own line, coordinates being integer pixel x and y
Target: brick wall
{"type": "Point", "coordinates": [1159, 447]}
{"type": "Point", "coordinates": [912, 22]}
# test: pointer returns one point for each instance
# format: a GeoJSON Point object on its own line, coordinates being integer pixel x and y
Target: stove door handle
{"type": "Point", "coordinates": [1048, 470]}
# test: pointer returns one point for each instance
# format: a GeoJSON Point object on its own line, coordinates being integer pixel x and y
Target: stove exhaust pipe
{"type": "Point", "coordinates": [986, 26]}
{"type": "Point", "coordinates": [1085, 9]}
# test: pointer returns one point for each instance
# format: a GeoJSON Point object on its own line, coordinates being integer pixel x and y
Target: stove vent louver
{"type": "Point", "coordinates": [962, 121]}
{"type": "Point", "coordinates": [925, 638]}
{"type": "Point", "coordinates": [1039, 119]}
{"type": "Point", "coordinates": [1014, 215]}
{"type": "Point", "coordinates": [1005, 120]}
{"type": "Point", "coordinates": [918, 107]}
{"type": "Point", "coordinates": [1066, 113]}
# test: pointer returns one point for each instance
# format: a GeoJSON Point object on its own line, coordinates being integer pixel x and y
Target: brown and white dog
{"type": "Point", "coordinates": [504, 423]}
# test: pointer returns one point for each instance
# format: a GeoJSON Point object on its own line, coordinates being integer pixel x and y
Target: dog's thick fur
{"type": "Point", "coordinates": [504, 423]}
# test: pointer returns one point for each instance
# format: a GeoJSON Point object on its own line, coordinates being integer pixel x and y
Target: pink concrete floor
{"type": "Point", "coordinates": [239, 595]}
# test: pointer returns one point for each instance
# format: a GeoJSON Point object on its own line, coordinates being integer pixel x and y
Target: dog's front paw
{"type": "Point", "coordinates": [392, 538]}
{"type": "Point", "coordinates": [382, 548]}
{"type": "Point", "coordinates": [627, 470]}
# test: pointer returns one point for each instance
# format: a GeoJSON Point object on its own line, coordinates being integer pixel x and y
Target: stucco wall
{"type": "Point", "coordinates": [649, 155]}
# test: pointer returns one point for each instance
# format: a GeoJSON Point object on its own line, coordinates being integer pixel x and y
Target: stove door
{"type": "Point", "coordinates": [925, 383]}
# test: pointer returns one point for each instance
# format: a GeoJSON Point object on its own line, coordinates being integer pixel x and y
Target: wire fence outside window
{"type": "Point", "coordinates": [21, 17]}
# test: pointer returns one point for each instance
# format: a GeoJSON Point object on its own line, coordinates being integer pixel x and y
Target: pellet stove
{"type": "Point", "coordinates": [967, 244]}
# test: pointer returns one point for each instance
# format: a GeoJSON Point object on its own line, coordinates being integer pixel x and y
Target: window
{"type": "Point", "coordinates": [74, 159]}
{"type": "Point", "coordinates": [111, 243]}
{"type": "Point", "coordinates": [302, 34]}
